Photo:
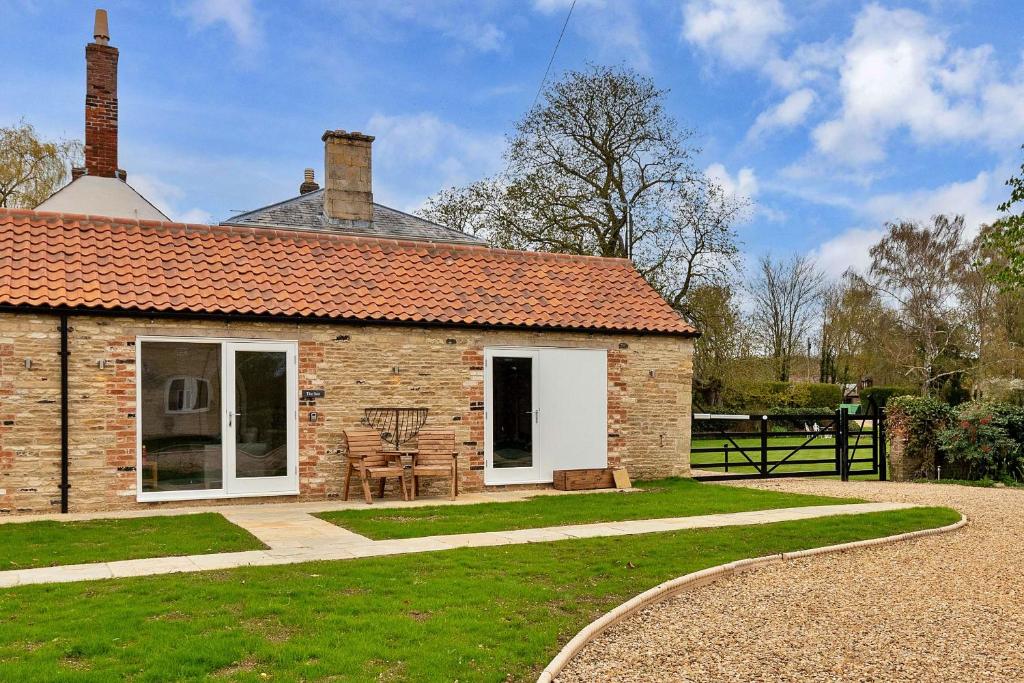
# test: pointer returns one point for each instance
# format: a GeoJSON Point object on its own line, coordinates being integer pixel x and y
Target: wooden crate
{"type": "Point", "coordinates": [584, 480]}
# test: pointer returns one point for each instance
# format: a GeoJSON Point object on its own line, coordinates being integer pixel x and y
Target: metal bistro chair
{"type": "Point", "coordinates": [435, 456]}
{"type": "Point", "coordinates": [367, 458]}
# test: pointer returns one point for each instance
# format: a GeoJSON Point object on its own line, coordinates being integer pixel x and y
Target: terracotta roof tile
{"type": "Point", "coordinates": [62, 260]}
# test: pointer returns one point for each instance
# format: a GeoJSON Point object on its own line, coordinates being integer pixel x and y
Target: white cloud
{"type": "Point", "coordinates": [612, 27]}
{"type": "Point", "coordinates": [420, 153]}
{"type": "Point", "coordinates": [167, 197]}
{"type": "Point", "coordinates": [847, 250]}
{"type": "Point", "coordinates": [899, 73]}
{"type": "Point", "coordinates": [743, 184]}
{"type": "Point", "coordinates": [807, 63]}
{"type": "Point", "coordinates": [468, 27]}
{"type": "Point", "coordinates": [552, 6]}
{"type": "Point", "coordinates": [975, 199]}
{"type": "Point", "coordinates": [740, 32]}
{"type": "Point", "coordinates": [484, 37]}
{"type": "Point", "coordinates": [788, 113]}
{"type": "Point", "coordinates": [237, 16]}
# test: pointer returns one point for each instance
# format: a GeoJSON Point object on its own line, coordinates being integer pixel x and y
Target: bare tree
{"type": "Point", "coordinates": [597, 151]}
{"type": "Point", "coordinates": [917, 269]}
{"type": "Point", "coordinates": [785, 294]}
{"type": "Point", "coordinates": [598, 167]}
{"type": "Point", "coordinates": [31, 169]}
{"type": "Point", "coordinates": [696, 243]}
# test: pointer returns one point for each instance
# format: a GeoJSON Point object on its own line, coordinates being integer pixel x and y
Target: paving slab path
{"type": "Point", "coordinates": [943, 608]}
{"type": "Point", "coordinates": [292, 535]}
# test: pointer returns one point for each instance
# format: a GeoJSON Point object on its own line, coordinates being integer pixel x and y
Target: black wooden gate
{"type": "Point", "coordinates": [783, 445]}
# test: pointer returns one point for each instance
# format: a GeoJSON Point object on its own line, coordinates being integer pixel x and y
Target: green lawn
{"type": "Point", "coordinates": [796, 463]}
{"type": "Point", "coordinates": [45, 544]}
{"type": "Point", "coordinates": [475, 614]}
{"type": "Point", "coordinates": [662, 498]}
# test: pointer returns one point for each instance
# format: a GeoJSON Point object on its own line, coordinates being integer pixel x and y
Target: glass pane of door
{"type": "Point", "coordinates": [513, 412]}
{"type": "Point", "coordinates": [180, 415]}
{"type": "Point", "coordinates": [261, 414]}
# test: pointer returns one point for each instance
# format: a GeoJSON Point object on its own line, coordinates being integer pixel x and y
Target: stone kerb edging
{"type": "Point", "coordinates": [672, 587]}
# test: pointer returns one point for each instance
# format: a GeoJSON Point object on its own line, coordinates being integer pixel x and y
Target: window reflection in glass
{"type": "Point", "coordinates": [180, 389]}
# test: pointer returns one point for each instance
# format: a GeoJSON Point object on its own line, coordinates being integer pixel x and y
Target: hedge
{"type": "Point", "coordinates": [756, 397]}
{"type": "Point", "coordinates": [883, 394]}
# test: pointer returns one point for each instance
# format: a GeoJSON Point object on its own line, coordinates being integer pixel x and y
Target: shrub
{"type": "Point", "coordinates": [883, 394]}
{"type": "Point", "coordinates": [985, 441]}
{"type": "Point", "coordinates": [828, 395]}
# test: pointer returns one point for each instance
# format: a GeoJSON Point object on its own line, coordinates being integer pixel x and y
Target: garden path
{"type": "Point", "coordinates": [293, 535]}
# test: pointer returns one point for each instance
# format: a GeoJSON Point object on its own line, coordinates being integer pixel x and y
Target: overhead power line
{"type": "Point", "coordinates": [551, 61]}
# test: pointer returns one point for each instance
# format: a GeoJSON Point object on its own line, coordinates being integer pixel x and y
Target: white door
{"type": "Point", "coordinates": [260, 428]}
{"type": "Point", "coordinates": [511, 417]}
{"type": "Point", "coordinates": [545, 409]}
{"type": "Point", "coordinates": [574, 409]}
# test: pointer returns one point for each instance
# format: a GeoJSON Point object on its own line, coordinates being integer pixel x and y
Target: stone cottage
{"type": "Point", "coordinates": [144, 361]}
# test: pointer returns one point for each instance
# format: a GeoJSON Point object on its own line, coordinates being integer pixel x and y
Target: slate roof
{"type": "Point", "coordinates": [65, 260]}
{"type": "Point", "coordinates": [305, 212]}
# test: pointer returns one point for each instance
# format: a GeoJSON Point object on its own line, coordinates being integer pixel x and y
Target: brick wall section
{"type": "Point", "coordinates": [649, 381]}
{"type": "Point", "coordinates": [101, 110]}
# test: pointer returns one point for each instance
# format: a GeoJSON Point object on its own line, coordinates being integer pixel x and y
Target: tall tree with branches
{"type": "Point", "coordinates": [1005, 238]}
{"type": "Point", "coordinates": [785, 294]}
{"type": "Point", "coordinates": [31, 169]}
{"type": "Point", "coordinates": [598, 167]}
{"type": "Point", "coordinates": [917, 269]}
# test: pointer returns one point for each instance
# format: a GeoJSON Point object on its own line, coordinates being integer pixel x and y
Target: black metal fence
{"type": "Point", "coordinates": [789, 445]}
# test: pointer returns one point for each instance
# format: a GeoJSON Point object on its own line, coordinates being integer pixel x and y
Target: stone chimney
{"type": "Point", "coordinates": [349, 192]}
{"type": "Point", "coordinates": [101, 103]}
{"type": "Point", "coordinates": [308, 184]}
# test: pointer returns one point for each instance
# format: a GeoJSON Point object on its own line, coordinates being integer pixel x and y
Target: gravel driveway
{"type": "Point", "coordinates": [942, 608]}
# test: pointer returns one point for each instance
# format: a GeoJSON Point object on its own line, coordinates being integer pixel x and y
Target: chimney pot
{"type": "Point", "coordinates": [100, 31]}
{"type": "Point", "coordinates": [348, 194]}
{"type": "Point", "coordinates": [308, 183]}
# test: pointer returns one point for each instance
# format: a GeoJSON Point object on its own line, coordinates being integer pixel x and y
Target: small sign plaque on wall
{"type": "Point", "coordinates": [310, 394]}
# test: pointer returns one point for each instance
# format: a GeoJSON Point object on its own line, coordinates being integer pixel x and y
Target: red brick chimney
{"type": "Point", "coordinates": [101, 103]}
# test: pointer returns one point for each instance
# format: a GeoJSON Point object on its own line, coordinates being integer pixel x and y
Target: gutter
{"type": "Point", "coordinates": [64, 419]}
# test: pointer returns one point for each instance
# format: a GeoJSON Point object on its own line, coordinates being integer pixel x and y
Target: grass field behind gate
{"type": "Point", "coordinates": [795, 463]}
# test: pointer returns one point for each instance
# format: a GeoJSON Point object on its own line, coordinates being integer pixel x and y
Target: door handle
{"type": "Point", "coordinates": [231, 416]}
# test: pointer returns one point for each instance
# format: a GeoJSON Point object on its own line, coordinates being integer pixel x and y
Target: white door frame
{"type": "Point", "coordinates": [252, 486]}
{"type": "Point", "coordinates": [290, 487]}
{"type": "Point", "coordinates": [512, 475]}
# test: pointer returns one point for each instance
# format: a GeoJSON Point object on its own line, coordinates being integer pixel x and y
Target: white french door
{"type": "Point", "coordinates": [260, 430]}
{"type": "Point", "coordinates": [216, 418]}
{"type": "Point", "coordinates": [544, 409]}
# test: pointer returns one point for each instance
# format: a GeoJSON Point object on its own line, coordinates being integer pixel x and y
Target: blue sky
{"type": "Point", "coordinates": [833, 115]}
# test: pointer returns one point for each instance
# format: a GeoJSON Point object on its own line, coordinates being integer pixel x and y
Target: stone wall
{"type": "Point", "coordinates": [441, 368]}
{"type": "Point", "coordinates": [906, 464]}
